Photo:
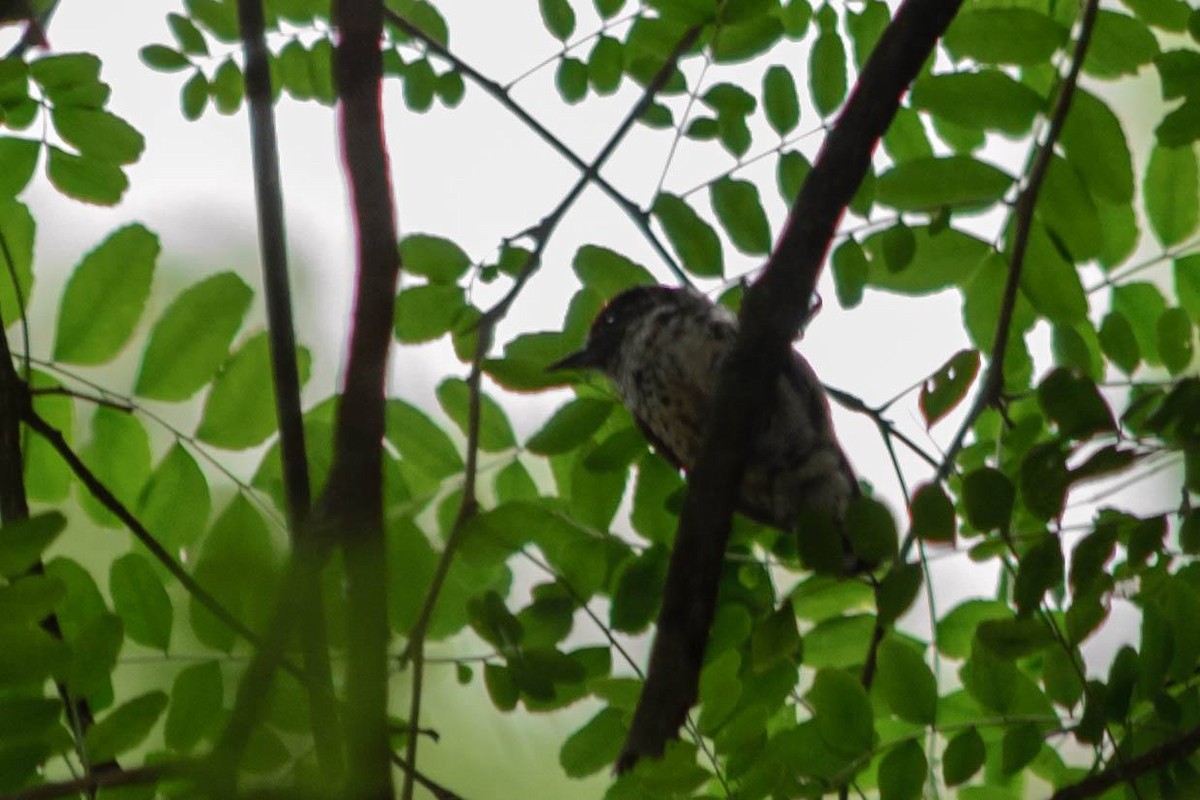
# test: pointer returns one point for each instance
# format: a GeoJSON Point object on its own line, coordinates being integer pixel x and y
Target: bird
{"type": "Point", "coordinates": [663, 348]}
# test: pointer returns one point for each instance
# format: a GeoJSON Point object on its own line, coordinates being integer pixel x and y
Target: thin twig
{"type": "Point", "coordinates": [992, 386]}
{"type": "Point", "coordinates": [484, 332]}
{"type": "Point", "coordinates": [300, 593]}
{"type": "Point", "coordinates": [636, 214]}
{"type": "Point", "coordinates": [1155, 758]}
{"type": "Point", "coordinates": [141, 776]}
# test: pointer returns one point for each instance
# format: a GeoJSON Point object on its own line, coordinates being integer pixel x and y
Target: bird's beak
{"type": "Point", "coordinates": [580, 359]}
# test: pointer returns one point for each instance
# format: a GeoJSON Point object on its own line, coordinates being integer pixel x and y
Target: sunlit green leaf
{"type": "Point", "coordinates": [125, 727]}
{"type": "Point", "coordinates": [141, 600]}
{"type": "Point", "coordinates": [1172, 193]}
{"type": "Point", "coordinates": [240, 410]}
{"type": "Point", "coordinates": [191, 339]}
{"type": "Point", "coordinates": [114, 277]}
{"type": "Point", "coordinates": [694, 239]}
{"type": "Point", "coordinates": [741, 214]}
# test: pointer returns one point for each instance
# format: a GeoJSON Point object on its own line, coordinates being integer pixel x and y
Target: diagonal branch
{"type": "Point", "coordinates": [1132, 768]}
{"type": "Point", "coordinates": [487, 325]}
{"type": "Point", "coordinates": [119, 510]}
{"type": "Point", "coordinates": [636, 214]}
{"type": "Point", "coordinates": [992, 388]}
{"type": "Point", "coordinates": [773, 312]}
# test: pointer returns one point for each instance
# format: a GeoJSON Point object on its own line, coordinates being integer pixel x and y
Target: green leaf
{"type": "Point", "coordinates": [1120, 45]}
{"type": "Point", "coordinates": [28, 654]}
{"type": "Point", "coordinates": [1142, 305]}
{"type": "Point", "coordinates": [570, 426]}
{"type": "Point", "coordinates": [189, 37]}
{"type": "Point", "coordinates": [741, 214]}
{"type": "Point", "coordinates": [988, 496]}
{"type": "Point", "coordinates": [105, 297]}
{"type": "Point", "coordinates": [175, 503]}
{"type": "Point", "coordinates": [906, 682]}
{"type": "Point", "coordinates": [119, 455]}
{"type": "Point", "coordinates": [1013, 638]}
{"type": "Point", "coordinates": [495, 432]}
{"type": "Point", "coordinates": [438, 259]}
{"type": "Point", "coordinates": [558, 17]}
{"type": "Point", "coordinates": [239, 563]}
{"type": "Point", "coordinates": [1067, 209]}
{"type": "Point", "coordinates": [1044, 480]}
{"type": "Point", "coordinates": [1050, 282]}
{"type": "Point", "coordinates": [897, 592]}
{"type": "Point", "coordinates": [963, 757]}
{"type": "Point", "coordinates": [776, 639]}
{"type": "Point", "coordinates": [1021, 744]}
{"type": "Point", "coordinates": [240, 409]}
{"type": "Point", "coordinates": [607, 9]}
{"type": "Point", "coordinates": [1175, 340]}
{"type": "Point", "coordinates": [780, 102]}
{"type": "Point", "coordinates": [1004, 36]}
{"type": "Point", "coordinates": [842, 712]}
{"type": "Point", "coordinates": [420, 441]}
{"type": "Point", "coordinates": [1187, 283]}
{"type": "Point", "coordinates": [197, 700]}
{"type": "Point", "coordinates": [931, 183]}
{"type": "Point", "coordinates": [1172, 193]}
{"type": "Point", "coordinates": [1040, 570]}
{"type": "Point", "coordinates": [98, 134]}
{"type": "Point", "coordinates": [988, 100]}
{"type": "Point", "coordinates": [125, 727]}
{"type": "Point", "coordinates": [228, 87]}
{"type": "Point", "coordinates": [85, 178]}
{"type": "Point", "coordinates": [1096, 146]}
{"type": "Point", "coordinates": [827, 72]}
{"type": "Point", "coordinates": [19, 157]}
{"type": "Point", "coordinates": [428, 311]}
{"type": "Point", "coordinates": [793, 168]}
{"type": "Point", "coordinates": [850, 271]}
{"type": "Point", "coordinates": [988, 678]}
{"type": "Point", "coordinates": [164, 59]}
{"type": "Point", "coordinates": [594, 746]}
{"type": "Point", "coordinates": [191, 339]}
{"type": "Point", "coordinates": [30, 599]}
{"type": "Point", "coordinates": [605, 65]}
{"type": "Point", "coordinates": [607, 272]}
{"type": "Point", "coordinates": [746, 40]}
{"type": "Point", "coordinates": [872, 530]}
{"type": "Point", "coordinates": [637, 591]}
{"type": "Point", "coordinates": [902, 772]}
{"type": "Point", "coordinates": [22, 542]}
{"type": "Point", "coordinates": [933, 518]}
{"type": "Point", "coordinates": [906, 138]}
{"type": "Point", "coordinates": [942, 391]}
{"type": "Point", "coordinates": [693, 239]}
{"type": "Point", "coordinates": [193, 97]}
{"type": "Point", "coordinates": [141, 600]}
{"type": "Point", "coordinates": [1075, 405]}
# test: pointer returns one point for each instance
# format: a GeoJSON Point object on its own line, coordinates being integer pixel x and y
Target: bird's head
{"type": "Point", "coordinates": [608, 333]}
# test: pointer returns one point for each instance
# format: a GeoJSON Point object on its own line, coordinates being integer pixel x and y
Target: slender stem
{"type": "Point", "coordinates": [993, 382]}
{"type": "Point", "coordinates": [501, 95]}
{"type": "Point", "coordinates": [141, 776]}
{"type": "Point", "coordinates": [416, 640]}
{"type": "Point", "coordinates": [301, 592]}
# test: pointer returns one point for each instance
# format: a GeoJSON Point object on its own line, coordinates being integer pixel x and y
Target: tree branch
{"type": "Point", "coordinates": [300, 595]}
{"type": "Point", "coordinates": [773, 311]}
{"type": "Point", "coordinates": [353, 501]}
{"type": "Point", "coordinates": [993, 382]}
{"type": "Point", "coordinates": [487, 325]}
{"type": "Point", "coordinates": [141, 776]}
{"type": "Point", "coordinates": [500, 94]}
{"type": "Point", "coordinates": [1132, 768]}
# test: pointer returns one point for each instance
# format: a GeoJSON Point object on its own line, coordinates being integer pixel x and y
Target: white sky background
{"type": "Point", "coordinates": [476, 175]}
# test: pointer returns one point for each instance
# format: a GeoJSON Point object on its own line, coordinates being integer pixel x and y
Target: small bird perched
{"type": "Point", "coordinates": [663, 348]}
